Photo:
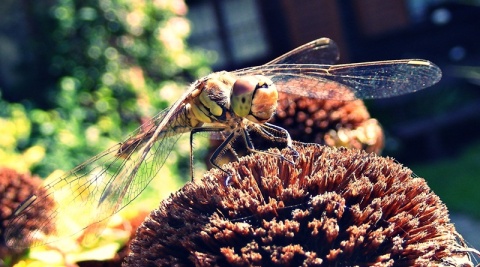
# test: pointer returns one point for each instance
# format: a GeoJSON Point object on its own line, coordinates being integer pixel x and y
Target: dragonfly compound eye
{"type": "Point", "coordinates": [242, 92]}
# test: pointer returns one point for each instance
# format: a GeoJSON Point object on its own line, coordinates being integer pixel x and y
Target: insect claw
{"type": "Point", "coordinates": [295, 154]}
{"type": "Point", "coordinates": [289, 161]}
{"type": "Point", "coordinates": [227, 180]}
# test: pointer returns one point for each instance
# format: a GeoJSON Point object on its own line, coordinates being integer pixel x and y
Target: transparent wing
{"type": "Point", "coordinates": [320, 51]}
{"type": "Point", "coordinates": [307, 71]}
{"type": "Point", "coordinates": [91, 193]}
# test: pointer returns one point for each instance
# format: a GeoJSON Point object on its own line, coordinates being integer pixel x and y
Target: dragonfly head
{"type": "Point", "coordinates": [254, 98]}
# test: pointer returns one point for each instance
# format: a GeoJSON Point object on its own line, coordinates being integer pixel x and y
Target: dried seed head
{"type": "Point", "coordinates": [332, 207]}
{"type": "Point", "coordinates": [14, 189]}
{"type": "Point", "coordinates": [329, 122]}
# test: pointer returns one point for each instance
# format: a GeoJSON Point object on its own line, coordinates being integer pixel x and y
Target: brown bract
{"type": "Point", "coordinates": [14, 189]}
{"type": "Point", "coordinates": [333, 207]}
{"type": "Point", "coordinates": [329, 122]}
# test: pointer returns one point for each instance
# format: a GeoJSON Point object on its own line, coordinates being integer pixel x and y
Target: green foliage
{"type": "Point", "coordinates": [14, 135]}
{"type": "Point", "coordinates": [455, 180]}
{"type": "Point", "coordinates": [105, 66]}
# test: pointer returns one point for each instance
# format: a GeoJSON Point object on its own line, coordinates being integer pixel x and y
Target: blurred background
{"type": "Point", "coordinates": [77, 76]}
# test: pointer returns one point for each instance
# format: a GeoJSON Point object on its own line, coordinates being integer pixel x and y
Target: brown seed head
{"type": "Point", "coordinates": [329, 122]}
{"type": "Point", "coordinates": [14, 189]}
{"type": "Point", "coordinates": [333, 207]}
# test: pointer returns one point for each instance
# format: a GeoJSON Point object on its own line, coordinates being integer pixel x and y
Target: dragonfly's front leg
{"type": "Point", "coordinates": [284, 132]}
{"type": "Point", "coordinates": [215, 154]}
{"type": "Point", "coordinates": [226, 144]}
{"type": "Point", "coordinates": [252, 148]}
{"type": "Point", "coordinates": [265, 131]}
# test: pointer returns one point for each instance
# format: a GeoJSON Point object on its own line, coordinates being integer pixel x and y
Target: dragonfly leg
{"type": "Point", "coordinates": [251, 147]}
{"type": "Point", "coordinates": [287, 136]}
{"type": "Point", "coordinates": [267, 130]}
{"type": "Point", "coordinates": [200, 130]}
{"type": "Point", "coordinates": [220, 150]}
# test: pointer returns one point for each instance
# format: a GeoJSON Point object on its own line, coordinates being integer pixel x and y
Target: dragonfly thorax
{"type": "Point", "coordinates": [210, 99]}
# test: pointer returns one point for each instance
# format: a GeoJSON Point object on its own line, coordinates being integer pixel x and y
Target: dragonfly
{"type": "Point", "coordinates": [230, 104]}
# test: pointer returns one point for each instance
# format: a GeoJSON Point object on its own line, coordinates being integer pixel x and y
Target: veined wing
{"type": "Point", "coordinates": [95, 190]}
{"type": "Point", "coordinates": [320, 51]}
{"type": "Point", "coordinates": [365, 80]}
